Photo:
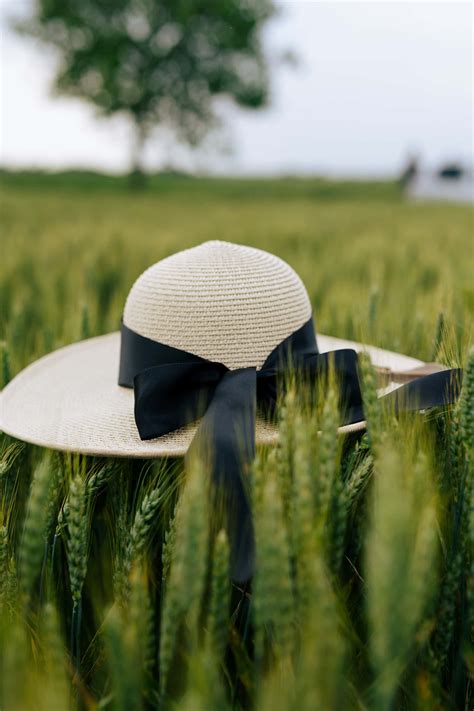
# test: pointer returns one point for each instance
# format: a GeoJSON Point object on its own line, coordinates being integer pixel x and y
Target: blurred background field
{"type": "Point", "coordinates": [114, 588]}
{"type": "Point", "coordinates": [377, 267]}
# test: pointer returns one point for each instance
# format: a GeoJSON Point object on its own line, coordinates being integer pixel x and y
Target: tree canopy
{"type": "Point", "coordinates": [157, 61]}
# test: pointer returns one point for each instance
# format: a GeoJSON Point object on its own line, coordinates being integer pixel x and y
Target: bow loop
{"type": "Point", "coordinates": [171, 396]}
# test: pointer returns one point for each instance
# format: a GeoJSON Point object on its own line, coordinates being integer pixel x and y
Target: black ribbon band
{"type": "Point", "coordinates": [174, 388]}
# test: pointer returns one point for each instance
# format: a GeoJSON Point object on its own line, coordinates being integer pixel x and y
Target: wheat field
{"type": "Point", "coordinates": [114, 585]}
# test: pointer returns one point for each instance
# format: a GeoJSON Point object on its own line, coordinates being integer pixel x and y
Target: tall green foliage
{"type": "Point", "coordinates": [114, 587]}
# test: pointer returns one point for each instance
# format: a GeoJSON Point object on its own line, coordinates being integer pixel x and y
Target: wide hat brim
{"type": "Point", "coordinates": [69, 400]}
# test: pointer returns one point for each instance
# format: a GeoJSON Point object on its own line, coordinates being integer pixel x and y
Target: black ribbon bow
{"type": "Point", "coordinates": [174, 388]}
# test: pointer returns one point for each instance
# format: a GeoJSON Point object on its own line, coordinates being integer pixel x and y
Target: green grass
{"type": "Point", "coordinates": [113, 586]}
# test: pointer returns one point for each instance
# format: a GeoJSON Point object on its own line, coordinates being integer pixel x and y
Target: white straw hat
{"type": "Point", "coordinates": [223, 302]}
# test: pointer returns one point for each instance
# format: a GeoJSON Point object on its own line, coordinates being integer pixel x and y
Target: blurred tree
{"type": "Point", "coordinates": [157, 61]}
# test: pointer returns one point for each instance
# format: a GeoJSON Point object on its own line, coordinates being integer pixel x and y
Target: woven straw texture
{"type": "Point", "coordinates": [223, 302]}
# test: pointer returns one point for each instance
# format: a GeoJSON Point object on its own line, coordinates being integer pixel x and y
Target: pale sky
{"type": "Point", "coordinates": [375, 81]}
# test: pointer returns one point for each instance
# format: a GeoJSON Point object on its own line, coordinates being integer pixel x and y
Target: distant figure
{"type": "Point", "coordinates": [451, 171]}
{"type": "Point", "coordinates": [410, 172]}
{"type": "Point", "coordinates": [452, 182]}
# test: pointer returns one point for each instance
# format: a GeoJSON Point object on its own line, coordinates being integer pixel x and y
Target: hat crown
{"type": "Point", "coordinates": [221, 301]}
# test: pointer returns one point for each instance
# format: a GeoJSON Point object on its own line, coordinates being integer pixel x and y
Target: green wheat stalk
{"type": "Point", "coordinates": [466, 414]}
{"type": "Point", "coordinates": [35, 528]}
{"type": "Point", "coordinates": [77, 537]}
{"type": "Point", "coordinates": [220, 598]}
{"type": "Point", "coordinates": [144, 521]}
{"type": "Point", "coordinates": [168, 546]}
{"type": "Point", "coordinates": [273, 598]}
{"type": "Point", "coordinates": [327, 455]}
{"type": "Point", "coordinates": [303, 514]}
{"type": "Point", "coordinates": [372, 407]}
{"type": "Point", "coordinates": [5, 369]}
{"type": "Point", "coordinates": [4, 562]}
{"type": "Point", "coordinates": [185, 585]}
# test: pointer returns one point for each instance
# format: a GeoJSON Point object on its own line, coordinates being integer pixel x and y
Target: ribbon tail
{"type": "Point", "coordinates": [225, 441]}
{"type": "Point", "coordinates": [435, 390]}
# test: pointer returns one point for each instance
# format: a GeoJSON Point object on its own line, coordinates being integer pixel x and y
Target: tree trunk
{"type": "Point", "coordinates": [137, 176]}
